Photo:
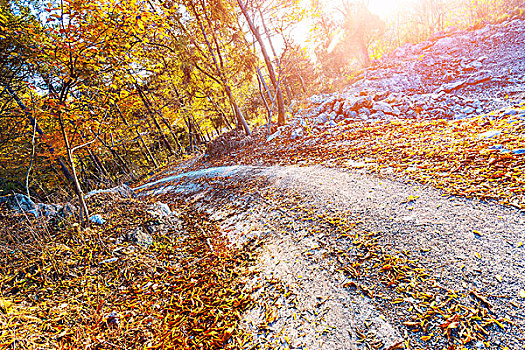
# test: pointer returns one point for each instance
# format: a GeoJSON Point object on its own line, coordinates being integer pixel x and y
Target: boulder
{"type": "Point", "coordinates": [137, 236]}
{"type": "Point", "coordinates": [297, 133]}
{"type": "Point", "coordinates": [322, 118]}
{"type": "Point", "coordinates": [18, 202]}
{"type": "Point", "coordinates": [159, 211]}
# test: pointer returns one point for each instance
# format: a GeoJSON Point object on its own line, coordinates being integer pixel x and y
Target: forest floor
{"type": "Point", "coordinates": [346, 260]}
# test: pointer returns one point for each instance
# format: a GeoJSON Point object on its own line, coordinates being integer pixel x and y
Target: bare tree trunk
{"type": "Point", "coordinates": [33, 122]}
{"type": "Point", "coordinates": [84, 214]}
{"type": "Point", "coordinates": [240, 117]}
{"type": "Point", "coordinates": [262, 83]}
{"type": "Point", "coordinates": [281, 119]}
{"type": "Point", "coordinates": [364, 53]}
{"type": "Point", "coordinates": [32, 154]}
{"type": "Point", "coordinates": [154, 161]}
{"type": "Point", "coordinates": [155, 121]}
{"type": "Point", "coordinates": [179, 146]}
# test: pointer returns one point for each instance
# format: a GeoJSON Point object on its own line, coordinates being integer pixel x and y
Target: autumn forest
{"type": "Point", "coordinates": [262, 174]}
{"type": "Point", "coordinates": [98, 92]}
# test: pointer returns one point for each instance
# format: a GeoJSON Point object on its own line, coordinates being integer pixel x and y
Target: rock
{"type": "Point", "coordinates": [518, 151]}
{"type": "Point", "coordinates": [482, 58]}
{"type": "Point", "coordinates": [331, 123]}
{"type": "Point", "coordinates": [322, 118]}
{"type": "Point", "coordinates": [452, 86]}
{"type": "Point", "coordinates": [159, 211]}
{"type": "Point", "coordinates": [363, 112]}
{"type": "Point", "coordinates": [123, 191]}
{"type": "Point", "coordinates": [383, 107]}
{"type": "Point", "coordinates": [67, 211]}
{"type": "Point", "coordinates": [97, 219]}
{"type": "Point", "coordinates": [338, 107]}
{"type": "Point", "coordinates": [47, 210]}
{"type": "Point", "coordinates": [137, 236]}
{"type": "Point", "coordinates": [347, 108]}
{"type": "Point", "coordinates": [468, 110]}
{"type": "Point", "coordinates": [328, 105]}
{"type": "Point", "coordinates": [274, 136]}
{"type": "Point", "coordinates": [108, 261]}
{"type": "Point", "coordinates": [18, 202]}
{"type": "Point", "coordinates": [332, 116]}
{"type": "Point", "coordinates": [479, 77]}
{"type": "Point", "coordinates": [510, 113]}
{"type": "Point", "coordinates": [489, 134]}
{"type": "Point", "coordinates": [443, 44]}
{"type": "Point", "coordinates": [438, 95]}
{"type": "Point", "coordinates": [297, 133]}
{"type": "Point", "coordinates": [374, 116]}
{"type": "Point", "coordinates": [496, 147]}
{"type": "Point", "coordinates": [162, 218]}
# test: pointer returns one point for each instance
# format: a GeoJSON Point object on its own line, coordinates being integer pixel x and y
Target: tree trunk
{"type": "Point", "coordinates": [364, 52]}
{"type": "Point", "coordinates": [281, 119]}
{"type": "Point", "coordinates": [84, 213]}
{"type": "Point", "coordinates": [33, 122]}
{"type": "Point", "coordinates": [179, 146]}
{"type": "Point", "coordinates": [240, 117]}
{"type": "Point", "coordinates": [140, 138]}
{"type": "Point", "coordinates": [155, 121]}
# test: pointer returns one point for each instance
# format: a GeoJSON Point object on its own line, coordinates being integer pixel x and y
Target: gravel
{"type": "Point", "coordinates": [466, 245]}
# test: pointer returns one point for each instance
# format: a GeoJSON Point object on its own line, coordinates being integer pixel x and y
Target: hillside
{"type": "Point", "coordinates": [389, 215]}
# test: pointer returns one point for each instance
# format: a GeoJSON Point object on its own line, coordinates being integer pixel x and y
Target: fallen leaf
{"type": "Point", "coordinates": [427, 337]}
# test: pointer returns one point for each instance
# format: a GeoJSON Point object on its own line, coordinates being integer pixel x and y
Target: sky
{"type": "Point", "coordinates": [385, 8]}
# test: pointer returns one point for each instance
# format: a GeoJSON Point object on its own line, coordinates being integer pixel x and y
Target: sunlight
{"type": "Point", "coordinates": [386, 9]}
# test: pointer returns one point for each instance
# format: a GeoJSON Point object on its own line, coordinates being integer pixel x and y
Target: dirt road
{"type": "Point", "coordinates": [349, 260]}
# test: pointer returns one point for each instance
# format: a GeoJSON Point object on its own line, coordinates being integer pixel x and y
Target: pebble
{"type": "Point", "coordinates": [97, 219]}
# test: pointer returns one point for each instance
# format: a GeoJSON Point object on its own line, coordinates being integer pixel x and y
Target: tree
{"type": "Point", "coordinates": [281, 119]}
{"type": "Point", "coordinates": [344, 33]}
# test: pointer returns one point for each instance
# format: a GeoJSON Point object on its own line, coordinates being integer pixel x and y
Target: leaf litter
{"type": "Point", "coordinates": [447, 154]}
{"type": "Point", "coordinates": [67, 288]}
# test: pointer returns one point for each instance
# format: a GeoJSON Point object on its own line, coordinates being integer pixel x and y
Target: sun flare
{"type": "Point", "coordinates": [386, 9]}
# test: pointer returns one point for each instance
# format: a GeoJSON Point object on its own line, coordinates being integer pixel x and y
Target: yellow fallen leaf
{"type": "Point", "coordinates": [5, 305]}
{"type": "Point", "coordinates": [427, 337]}
{"type": "Point", "coordinates": [499, 278]}
{"type": "Point", "coordinates": [522, 294]}
{"type": "Point", "coordinates": [520, 244]}
{"type": "Point", "coordinates": [478, 255]}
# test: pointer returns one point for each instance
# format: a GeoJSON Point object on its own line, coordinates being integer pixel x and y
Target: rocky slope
{"type": "Point", "coordinates": [454, 75]}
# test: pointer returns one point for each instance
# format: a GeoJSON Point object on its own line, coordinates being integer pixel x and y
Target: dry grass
{"type": "Point", "coordinates": [63, 287]}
